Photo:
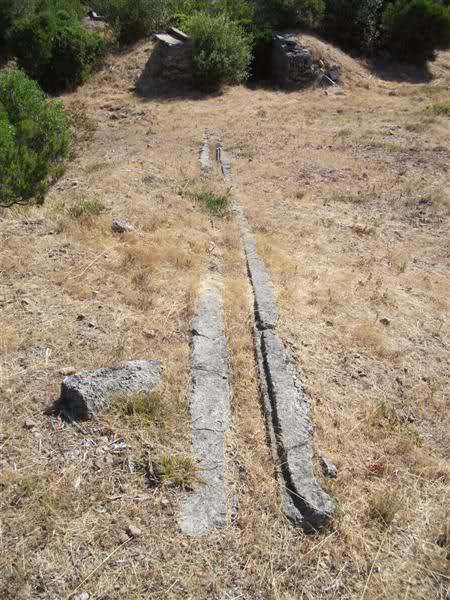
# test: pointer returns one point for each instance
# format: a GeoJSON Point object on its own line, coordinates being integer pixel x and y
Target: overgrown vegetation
{"type": "Point", "coordinates": [34, 139]}
{"type": "Point", "coordinates": [231, 41]}
{"type": "Point", "coordinates": [414, 29]}
{"type": "Point", "coordinates": [354, 23]}
{"type": "Point", "coordinates": [221, 51]}
{"type": "Point", "coordinates": [293, 13]}
{"type": "Point", "coordinates": [54, 48]}
{"type": "Point", "coordinates": [134, 19]}
{"type": "Point", "coordinates": [232, 38]}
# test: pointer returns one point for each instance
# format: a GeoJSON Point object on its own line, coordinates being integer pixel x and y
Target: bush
{"type": "Point", "coordinates": [241, 12]}
{"type": "Point", "coordinates": [354, 23]}
{"type": "Point", "coordinates": [10, 11]}
{"type": "Point", "coordinates": [262, 46]}
{"type": "Point", "coordinates": [34, 138]}
{"type": "Point", "coordinates": [134, 19]}
{"type": "Point", "coordinates": [7, 18]}
{"type": "Point", "coordinates": [221, 51]}
{"type": "Point", "coordinates": [414, 29]}
{"type": "Point", "coordinates": [55, 49]}
{"type": "Point", "coordinates": [291, 13]}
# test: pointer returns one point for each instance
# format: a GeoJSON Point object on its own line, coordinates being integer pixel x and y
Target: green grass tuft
{"type": "Point", "coordinates": [178, 471]}
{"type": "Point", "coordinates": [86, 210]}
{"type": "Point", "coordinates": [149, 408]}
{"type": "Point", "coordinates": [384, 506]}
{"type": "Point", "coordinates": [214, 204]}
{"type": "Point", "coordinates": [441, 108]}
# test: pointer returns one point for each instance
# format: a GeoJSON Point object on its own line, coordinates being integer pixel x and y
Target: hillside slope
{"type": "Point", "coordinates": [347, 192]}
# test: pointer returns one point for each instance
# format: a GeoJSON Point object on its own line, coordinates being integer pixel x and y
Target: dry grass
{"type": "Point", "coordinates": [348, 199]}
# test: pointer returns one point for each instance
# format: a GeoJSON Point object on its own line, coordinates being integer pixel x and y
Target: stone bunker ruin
{"type": "Point", "coordinates": [292, 65]}
{"type": "Point", "coordinates": [170, 61]}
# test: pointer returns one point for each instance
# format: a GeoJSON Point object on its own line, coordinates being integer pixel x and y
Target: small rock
{"type": "Point", "coordinates": [123, 537]}
{"type": "Point", "coordinates": [329, 469]}
{"type": "Point", "coordinates": [121, 226]}
{"type": "Point", "coordinates": [29, 424]}
{"type": "Point", "coordinates": [335, 73]}
{"type": "Point", "coordinates": [66, 371]}
{"type": "Point", "coordinates": [385, 321]}
{"type": "Point", "coordinates": [133, 531]}
{"type": "Point", "coordinates": [149, 333]}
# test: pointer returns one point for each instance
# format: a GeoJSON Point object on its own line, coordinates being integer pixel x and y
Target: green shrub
{"type": "Point", "coordinates": [75, 8]}
{"type": "Point", "coordinates": [354, 24]}
{"type": "Point", "coordinates": [291, 13]}
{"type": "Point", "coordinates": [241, 12]}
{"type": "Point", "coordinates": [134, 19]}
{"type": "Point", "coordinates": [414, 29]}
{"type": "Point", "coordinates": [221, 51]}
{"type": "Point", "coordinates": [10, 11]}
{"type": "Point", "coordinates": [34, 138]}
{"type": "Point", "coordinates": [8, 15]}
{"type": "Point", "coordinates": [55, 49]}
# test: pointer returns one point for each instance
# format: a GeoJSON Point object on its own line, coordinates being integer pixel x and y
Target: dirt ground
{"type": "Point", "coordinates": [347, 191]}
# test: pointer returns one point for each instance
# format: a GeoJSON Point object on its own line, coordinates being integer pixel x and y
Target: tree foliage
{"type": "Point", "coordinates": [34, 138]}
{"type": "Point", "coordinates": [54, 48]}
{"type": "Point", "coordinates": [415, 29]}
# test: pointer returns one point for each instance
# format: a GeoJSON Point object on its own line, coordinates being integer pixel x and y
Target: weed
{"type": "Point", "coordinates": [388, 412]}
{"type": "Point", "coordinates": [85, 210]}
{"type": "Point", "coordinates": [348, 197]}
{"type": "Point", "coordinates": [83, 125]}
{"type": "Point", "coordinates": [441, 108]}
{"type": "Point", "coordinates": [384, 506]}
{"type": "Point", "coordinates": [410, 433]}
{"type": "Point", "coordinates": [178, 471]}
{"type": "Point", "coordinates": [214, 203]}
{"type": "Point", "coordinates": [150, 408]}
{"type": "Point", "coordinates": [363, 229]}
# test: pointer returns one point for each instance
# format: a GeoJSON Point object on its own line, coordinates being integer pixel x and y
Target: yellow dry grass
{"type": "Point", "coordinates": [347, 193]}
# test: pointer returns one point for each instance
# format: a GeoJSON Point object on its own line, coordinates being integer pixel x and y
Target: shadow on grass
{"type": "Point", "coordinates": [148, 88]}
{"type": "Point", "coordinates": [399, 72]}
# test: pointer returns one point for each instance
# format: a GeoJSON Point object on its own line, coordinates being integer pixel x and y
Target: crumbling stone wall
{"type": "Point", "coordinates": [172, 58]}
{"type": "Point", "coordinates": [294, 66]}
{"type": "Point", "coordinates": [170, 62]}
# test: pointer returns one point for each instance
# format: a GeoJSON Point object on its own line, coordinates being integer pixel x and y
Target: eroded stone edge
{"type": "Point", "coordinates": [286, 408]}
{"type": "Point", "coordinates": [207, 507]}
{"type": "Point", "coordinates": [205, 159]}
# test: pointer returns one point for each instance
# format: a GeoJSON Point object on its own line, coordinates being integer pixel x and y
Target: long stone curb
{"type": "Point", "coordinates": [286, 407]}
{"type": "Point", "coordinates": [207, 508]}
{"type": "Point", "coordinates": [205, 160]}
